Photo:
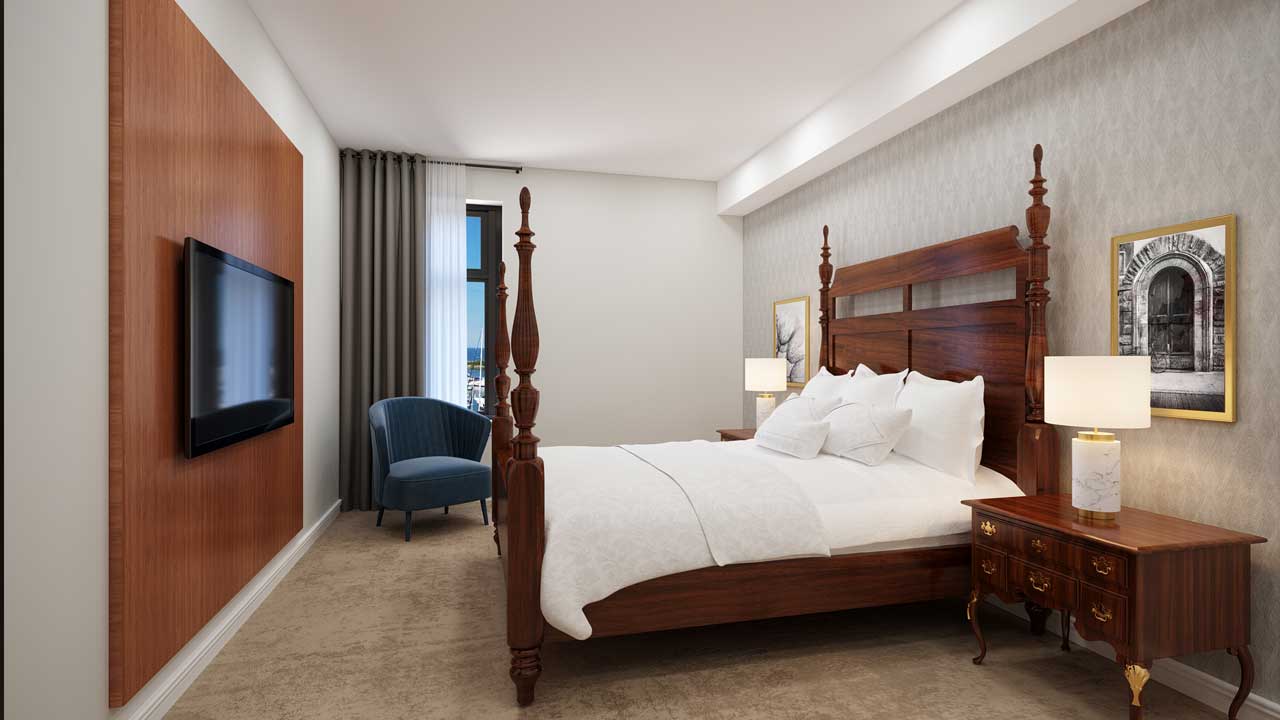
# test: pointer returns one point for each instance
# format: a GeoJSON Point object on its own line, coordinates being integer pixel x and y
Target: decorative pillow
{"type": "Point", "coordinates": [946, 424]}
{"type": "Point", "coordinates": [865, 433]}
{"type": "Point", "coordinates": [805, 409]}
{"type": "Point", "coordinates": [794, 437]}
{"type": "Point", "coordinates": [826, 385]}
{"type": "Point", "coordinates": [868, 388]}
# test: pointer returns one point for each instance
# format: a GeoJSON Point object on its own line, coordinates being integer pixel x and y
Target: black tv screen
{"type": "Point", "coordinates": [239, 350]}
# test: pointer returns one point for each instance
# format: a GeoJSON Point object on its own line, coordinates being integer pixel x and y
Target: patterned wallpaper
{"type": "Point", "coordinates": [1168, 114]}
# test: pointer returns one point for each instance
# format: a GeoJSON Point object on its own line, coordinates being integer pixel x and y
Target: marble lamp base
{"type": "Point", "coordinates": [764, 406]}
{"type": "Point", "coordinates": [1095, 475]}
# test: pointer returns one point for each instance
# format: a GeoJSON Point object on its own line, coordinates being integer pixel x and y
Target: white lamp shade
{"type": "Point", "coordinates": [766, 374]}
{"type": "Point", "coordinates": [1111, 391]}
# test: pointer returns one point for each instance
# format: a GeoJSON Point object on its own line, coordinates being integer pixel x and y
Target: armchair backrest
{"type": "Point", "coordinates": [409, 427]}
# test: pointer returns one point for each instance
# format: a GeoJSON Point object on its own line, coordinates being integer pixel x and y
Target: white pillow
{"type": "Point", "coordinates": [946, 424]}
{"type": "Point", "coordinates": [795, 438]}
{"type": "Point", "coordinates": [826, 385]}
{"type": "Point", "coordinates": [865, 433]}
{"type": "Point", "coordinates": [805, 409]}
{"type": "Point", "coordinates": [868, 388]}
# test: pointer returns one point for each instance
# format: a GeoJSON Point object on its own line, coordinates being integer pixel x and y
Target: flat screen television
{"type": "Point", "coordinates": [239, 349]}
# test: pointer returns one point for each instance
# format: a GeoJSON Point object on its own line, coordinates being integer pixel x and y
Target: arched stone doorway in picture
{"type": "Point", "coordinates": [1173, 300]}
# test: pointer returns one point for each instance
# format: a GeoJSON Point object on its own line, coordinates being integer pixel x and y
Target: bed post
{"type": "Point", "coordinates": [524, 478]}
{"type": "Point", "coordinates": [1037, 442]}
{"type": "Point", "coordinates": [824, 304]}
{"type": "Point", "coordinates": [501, 450]}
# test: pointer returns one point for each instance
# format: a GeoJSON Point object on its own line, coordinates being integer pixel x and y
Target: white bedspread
{"type": "Point", "coordinates": [613, 520]}
{"type": "Point", "coordinates": [616, 516]}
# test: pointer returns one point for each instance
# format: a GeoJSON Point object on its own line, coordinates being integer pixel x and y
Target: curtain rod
{"type": "Point", "coordinates": [396, 157]}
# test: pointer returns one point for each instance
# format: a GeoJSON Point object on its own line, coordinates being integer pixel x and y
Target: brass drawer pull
{"type": "Point", "coordinates": [1101, 613]}
{"type": "Point", "coordinates": [1102, 565]}
{"type": "Point", "coordinates": [988, 528]}
{"type": "Point", "coordinates": [1038, 545]}
{"type": "Point", "coordinates": [988, 567]}
{"type": "Point", "coordinates": [1039, 581]}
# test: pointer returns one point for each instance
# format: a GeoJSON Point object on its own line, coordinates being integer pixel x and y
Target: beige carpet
{"type": "Point", "coordinates": [367, 626]}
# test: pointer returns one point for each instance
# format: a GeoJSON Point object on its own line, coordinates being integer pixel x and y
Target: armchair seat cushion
{"type": "Point", "coordinates": [429, 482]}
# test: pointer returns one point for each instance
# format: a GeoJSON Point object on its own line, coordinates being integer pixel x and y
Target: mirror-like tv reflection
{"type": "Point", "coordinates": [241, 349]}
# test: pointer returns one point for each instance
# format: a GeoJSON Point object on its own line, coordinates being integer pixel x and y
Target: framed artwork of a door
{"type": "Point", "coordinates": [1173, 299]}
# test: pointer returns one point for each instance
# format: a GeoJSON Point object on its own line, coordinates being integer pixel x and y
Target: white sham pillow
{"type": "Point", "coordinates": [825, 385]}
{"type": "Point", "coordinates": [946, 424]}
{"type": "Point", "coordinates": [793, 437]}
{"type": "Point", "coordinates": [866, 433]}
{"type": "Point", "coordinates": [868, 388]}
{"type": "Point", "coordinates": [805, 409]}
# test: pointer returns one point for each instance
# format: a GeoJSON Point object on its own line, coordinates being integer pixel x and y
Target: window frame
{"type": "Point", "coordinates": [490, 258]}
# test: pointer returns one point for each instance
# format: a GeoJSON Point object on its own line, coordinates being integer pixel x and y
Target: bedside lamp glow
{"type": "Point", "coordinates": [1110, 392]}
{"type": "Point", "coordinates": [765, 376]}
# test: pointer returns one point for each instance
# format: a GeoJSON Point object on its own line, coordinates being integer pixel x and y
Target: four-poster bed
{"type": "Point", "coordinates": [1004, 341]}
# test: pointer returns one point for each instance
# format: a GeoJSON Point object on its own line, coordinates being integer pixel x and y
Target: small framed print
{"type": "Point", "coordinates": [791, 338]}
{"type": "Point", "coordinates": [1173, 299]}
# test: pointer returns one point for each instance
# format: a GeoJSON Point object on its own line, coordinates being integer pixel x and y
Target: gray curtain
{"type": "Point", "coordinates": [384, 226]}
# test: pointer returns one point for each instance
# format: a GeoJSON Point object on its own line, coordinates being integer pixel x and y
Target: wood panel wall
{"type": "Point", "coordinates": [191, 153]}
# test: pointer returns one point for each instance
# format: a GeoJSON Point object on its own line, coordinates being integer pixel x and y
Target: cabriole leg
{"type": "Point", "coordinates": [971, 611]}
{"type": "Point", "coordinates": [1246, 679]}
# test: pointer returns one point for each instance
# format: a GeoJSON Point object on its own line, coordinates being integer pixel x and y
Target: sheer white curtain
{"type": "Point", "coordinates": [446, 355]}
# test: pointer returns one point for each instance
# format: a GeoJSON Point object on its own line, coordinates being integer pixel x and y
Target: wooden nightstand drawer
{"type": "Point", "coordinates": [1099, 567]}
{"type": "Point", "coordinates": [1039, 548]}
{"type": "Point", "coordinates": [1103, 616]}
{"type": "Point", "coordinates": [989, 568]}
{"type": "Point", "coordinates": [1042, 586]}
{"type": "Point", "coordinates": [992, 531]}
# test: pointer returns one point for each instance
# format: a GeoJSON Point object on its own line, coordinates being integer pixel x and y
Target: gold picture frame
{"type": "Point", "coordinates": [1164, 269]}
{"type": "Point", "coordinates": [797, 307]}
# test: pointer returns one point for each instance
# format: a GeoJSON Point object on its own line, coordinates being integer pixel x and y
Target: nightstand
{"type": "Point", "coordinates": [737, 434]}
{"type": "Point", "coordinates": [1149, 585]}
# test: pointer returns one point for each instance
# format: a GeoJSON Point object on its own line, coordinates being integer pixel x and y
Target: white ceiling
{"type": "Point", "coordinates": [669, 88]}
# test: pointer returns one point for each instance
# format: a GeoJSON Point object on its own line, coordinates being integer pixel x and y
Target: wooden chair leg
{"type": "Point", "coordinates": [1037, 615]}
{"type": "Point", "coordinates": [408, 525]}
{"type": "Point", "coordinates": [446, 509]}
{"type": "Point", "coordinates": [1066, 629]}
{"type": "Point", "coordinates": [484, 511]}
{"type": "Point", "coordinates": [379, 523]}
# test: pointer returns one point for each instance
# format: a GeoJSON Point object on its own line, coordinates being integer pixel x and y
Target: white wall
{"type": "Point", "coordinates": [638, 287]}
{"type": "Point", "coordinates": [55, 331]}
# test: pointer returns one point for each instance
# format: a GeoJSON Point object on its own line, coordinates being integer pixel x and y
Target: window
{"type": "Point", "coordinates": [484, 227]}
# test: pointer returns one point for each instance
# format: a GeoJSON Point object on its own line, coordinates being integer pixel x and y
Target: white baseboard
{"type": "Point", "coordinates": [166, 686]}
{"type": "Point", "coordinates": [1185, 679]}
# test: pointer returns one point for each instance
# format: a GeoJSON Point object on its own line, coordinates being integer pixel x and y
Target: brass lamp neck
{"type": "Point", "coordinates": [1096, 435]}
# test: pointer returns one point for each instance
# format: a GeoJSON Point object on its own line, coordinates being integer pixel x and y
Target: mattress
{"type": "Point", "coordinates": [896, 505]}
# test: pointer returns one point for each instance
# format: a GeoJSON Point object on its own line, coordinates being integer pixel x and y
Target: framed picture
{"type": "Point", "coordinates": [1173, 298]}
{"type": "Point", "coordinates": [791, 338]}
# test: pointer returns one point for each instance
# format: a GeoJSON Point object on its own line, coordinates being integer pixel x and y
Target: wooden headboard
{"type": "Point", "coordinates": [1003, 341]}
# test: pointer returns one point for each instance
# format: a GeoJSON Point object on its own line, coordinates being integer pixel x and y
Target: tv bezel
{"type": "Point", "coordinates": [190, 247]}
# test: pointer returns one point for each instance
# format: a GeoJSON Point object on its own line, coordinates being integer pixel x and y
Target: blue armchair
{"type": "Point", "coordinates": [426, 454]}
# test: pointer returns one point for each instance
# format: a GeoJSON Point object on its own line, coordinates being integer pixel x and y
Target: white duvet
{"type": "Point", "coordinates": [617, 516]}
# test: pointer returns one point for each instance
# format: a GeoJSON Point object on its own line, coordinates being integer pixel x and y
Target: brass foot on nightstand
{"type": "Point", "coordinates": [1137, 676]}
{"type": "Point", "coordinates": [971, 612]}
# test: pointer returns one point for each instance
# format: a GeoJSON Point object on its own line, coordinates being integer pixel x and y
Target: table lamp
{"type": "Point", "coordinates": [765, 376]}
{"type": "Point", "coordinates": [1110, 392]}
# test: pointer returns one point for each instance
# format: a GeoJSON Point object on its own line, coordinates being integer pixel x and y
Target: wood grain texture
{"type": "Point", "coordinates": [1003, 341]}
{"type": "Point", "coordinates": [782, 588]}
{"type": "Point", "coordinates": [1151, 586]}
{"type": "Point", "coordinates": [191, 153]}
{"type": "Point", "coordinates": [731, 434]}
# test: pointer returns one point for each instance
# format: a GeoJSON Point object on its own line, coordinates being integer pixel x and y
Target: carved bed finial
{"type": "Point", "coordinates": [1037, 442]}
{"type": "Point", "coordinates": [525, 478]}
{"type": "Point", "coordinates": [824, 301]}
